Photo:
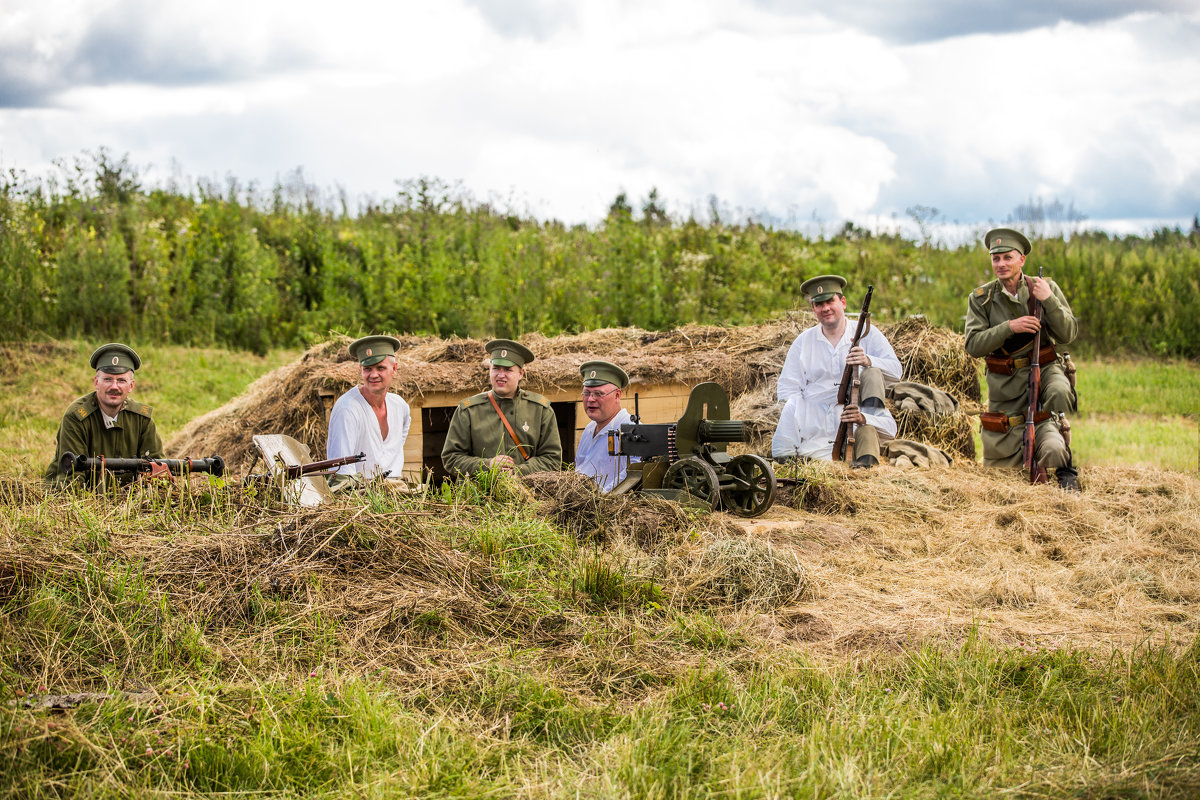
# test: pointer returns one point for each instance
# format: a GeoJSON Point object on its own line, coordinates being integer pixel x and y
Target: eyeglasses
{"type": "Point", "coordinates": [122, 382]}
{"type": "Point", "coordinates": [586, 395]}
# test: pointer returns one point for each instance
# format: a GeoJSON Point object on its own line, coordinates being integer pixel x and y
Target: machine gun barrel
{"type": "Point", "coordinates": [69, 463]}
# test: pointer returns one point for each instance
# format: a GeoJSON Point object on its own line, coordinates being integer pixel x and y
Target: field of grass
{"type": "Point", "coordinates": [948, 633]}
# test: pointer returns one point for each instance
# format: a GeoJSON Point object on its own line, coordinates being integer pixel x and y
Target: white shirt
{"type": "Point", "coordinates": [808, 385]}
{"type": "Point", "coordinates": [592, 458]}
{"type": "Point", "coordinates": [354, 429]}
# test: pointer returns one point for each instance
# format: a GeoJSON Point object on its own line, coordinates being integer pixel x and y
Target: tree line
{"type": "Point", "coordinates": [101, 256]}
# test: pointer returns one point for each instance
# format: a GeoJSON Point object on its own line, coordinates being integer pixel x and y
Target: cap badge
{"type": "Point", "coordinates": [820, 289]}
{"type": "Point", "coordinates": [114, 361]}
{"type": "Point", "coordinates": [999, 240]}
{"type": "Point", "coordinates": [504, 354]}
{"type": "Point", "coordinates": [368, 351]}
{"type": "Point", "coordinates": [593, 374]}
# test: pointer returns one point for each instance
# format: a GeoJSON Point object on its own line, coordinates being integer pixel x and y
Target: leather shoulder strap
{"type": "Point", "coordinates": [508, 427]}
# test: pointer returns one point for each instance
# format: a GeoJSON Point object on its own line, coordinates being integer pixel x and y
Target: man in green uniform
{"type": "Point", "coordinates": [506, 428]}
{"type": "Point", "coordinates": [107, 422]}
{"type": "Point", "coordinates": [1000, 327]}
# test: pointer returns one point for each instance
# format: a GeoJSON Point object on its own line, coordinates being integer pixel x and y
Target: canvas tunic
{"type": "Point", "coordinates": [476, 434]}
{"type": "Point", "coordinates": [354, 429]}
{"type": "Point", "coordinates": [989, 310]}
{"type": "Point", "coordinates": [592, 458]}
{"type": "Point", "coordinates": [83, 432]}
{"type": "Point", "coordinates": [808, 385]}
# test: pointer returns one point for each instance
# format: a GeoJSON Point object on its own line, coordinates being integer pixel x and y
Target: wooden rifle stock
{"type": "Point", "coordinates": [293, 471]}
{"type": "Point", "coordinates": [1037, 473]}
{"type": "Point", "coordinates": [843, 442]}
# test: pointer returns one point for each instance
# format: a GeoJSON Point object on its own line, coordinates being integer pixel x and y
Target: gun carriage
{"type": "Point", "coordinates": [689, 458]}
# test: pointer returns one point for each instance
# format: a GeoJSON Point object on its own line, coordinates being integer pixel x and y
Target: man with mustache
{"type": "Point", "coordinates": [107, 422]}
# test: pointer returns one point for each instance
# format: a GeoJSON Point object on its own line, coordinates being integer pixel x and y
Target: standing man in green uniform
{"type": "Point", "coordinates": [1000, 328]}
{"type": "Point", "coordinates": [506, 428]}
{"type": "Point", "coordinates": [107, 422]}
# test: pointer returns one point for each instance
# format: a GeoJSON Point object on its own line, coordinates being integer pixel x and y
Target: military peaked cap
{"type": "Point", "coordinates": [115, 358]}
{"type": "Point", "coordinates": [823, 287]}
{"type": "Point", "coordinates": [370, 350]}
{"type": "Point", "coordinates": [1001, 240]}
{"type": "Point", "coordinates": [507, 353]}
{"type": "Point", "coordinates": [598, 373]}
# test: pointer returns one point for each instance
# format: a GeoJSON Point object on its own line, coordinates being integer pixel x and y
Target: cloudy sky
{"type": "Point", "coordinates": [798, 111]}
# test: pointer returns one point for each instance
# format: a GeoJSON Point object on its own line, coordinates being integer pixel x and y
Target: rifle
{"type": "Point", "coordinates": [848, 388]}
{"type": "Point", "coordinates": [69, 463]}
{"type": "Point", "coordinates": [1037, 473]}
{"type": "Point", "coordinates": [293, 471]}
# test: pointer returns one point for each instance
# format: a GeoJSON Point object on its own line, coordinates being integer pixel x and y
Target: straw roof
{"type": "Point", "coordinates": [745, 360]}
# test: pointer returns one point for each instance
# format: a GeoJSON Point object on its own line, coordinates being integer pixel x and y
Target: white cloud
{"type": "Point", "coordinates": [564, 105]}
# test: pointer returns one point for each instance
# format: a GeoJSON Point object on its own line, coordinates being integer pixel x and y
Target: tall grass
{"type": "Point", "coordinates": [101, 256]}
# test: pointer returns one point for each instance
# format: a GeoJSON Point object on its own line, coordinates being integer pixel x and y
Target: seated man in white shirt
{"type": "Point", "coordinates": [368, 418]}
{"type": "Point", "coordinates": [602, 386]}
{"type": "Point", "coordinates": [808, 383]}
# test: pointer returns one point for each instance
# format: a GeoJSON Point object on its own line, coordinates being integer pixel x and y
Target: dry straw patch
{"type": "Point", "coordinates": [935, 552]}
{"type": "Point", "coordinates": [744, 360]}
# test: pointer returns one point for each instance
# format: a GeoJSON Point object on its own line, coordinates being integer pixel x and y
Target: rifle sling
{"type": "Point", "coordinates": [508, 427]}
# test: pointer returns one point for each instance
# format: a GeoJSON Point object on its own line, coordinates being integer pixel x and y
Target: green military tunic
{"type": "Point", "coordinates": [989, 310]}
{"type": "Point", "coordinates": [476, 434]}
{"type": "Point", "coordinates": [82, 432]}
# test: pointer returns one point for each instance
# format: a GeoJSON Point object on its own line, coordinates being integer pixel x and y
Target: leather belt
{"type": "Point", "coordinates": [1008, 365]}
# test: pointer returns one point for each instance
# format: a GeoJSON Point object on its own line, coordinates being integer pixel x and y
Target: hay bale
{"type": "Point", "coordinates": [935, 356]}
{"type": "Point", "coordinates": [744, 360]}
{"type": "Point", "coordinates": [953, 434]}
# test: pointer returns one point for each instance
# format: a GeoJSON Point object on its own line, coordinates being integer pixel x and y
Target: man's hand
{"type": "Point", "coordinates": [502, 462]}
{"type": "Point", "coordinates": [1040, 287]}
{"type": "Point", "coordinates": [857, 357]}
{"type": "Point", "coordinates": [1025, 324]}
{"type": "Point", "coordinates": [851, 414]}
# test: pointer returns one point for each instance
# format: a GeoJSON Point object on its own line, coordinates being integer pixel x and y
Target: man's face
{"type": "Point", "coordinates": [601, 403]}
{"type": "Point", "coordinates": [1007, 266]}
{"type": "Point", "coordinates": [831, 312]}
{"type": "Point", "coordinates": [505, 380]}
{"type": "Point", "coordinates": [377, 378]}
{"type": "Point", "coordinates": [113, 390]}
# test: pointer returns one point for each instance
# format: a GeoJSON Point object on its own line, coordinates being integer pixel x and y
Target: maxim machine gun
{"type": "Point", "coordinates": [688, 457]}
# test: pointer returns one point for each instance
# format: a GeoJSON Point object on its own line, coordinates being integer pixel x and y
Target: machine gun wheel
{"type": "Point", "coordinates": [752, 490]}
{"type": "Point", "coordinates": [695, 477]}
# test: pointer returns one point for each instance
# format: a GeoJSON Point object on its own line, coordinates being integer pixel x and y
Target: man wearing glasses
{"type": "Point", "coordinates": [602, 386]}
{"type": "Point", "coordinates": [107, 422]}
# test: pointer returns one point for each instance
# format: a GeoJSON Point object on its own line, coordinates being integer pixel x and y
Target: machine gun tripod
{"type": "Point", "coordinates": [688, 457]}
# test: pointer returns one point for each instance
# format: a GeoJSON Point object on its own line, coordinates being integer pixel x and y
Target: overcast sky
{"type": "Point", "coordinates": [796, 111]}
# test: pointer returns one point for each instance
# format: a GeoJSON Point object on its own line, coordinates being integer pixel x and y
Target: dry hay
{"type": "Point", "coordinates": [953, 434]}
{"type": "Point", "coordinates": [744, 360]}
{"type": "Point", "coordinates": [699, 559]}
{"type": "Point", "coordinates": [937, 552]}
{"type": "Point", "coordinates": [935, 357]}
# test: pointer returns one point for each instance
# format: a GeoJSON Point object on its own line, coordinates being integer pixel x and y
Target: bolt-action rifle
{"type": "Point", "coordinates": [1037, 473]}
{"type": "Point", "coordinates": [70, 463]}
{"type": "Point", "coordinates": [293, 471]}
{"type": "Point", "coordinates": [843, 443]}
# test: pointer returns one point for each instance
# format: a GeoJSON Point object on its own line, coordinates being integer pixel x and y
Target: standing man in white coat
{"type": "Point", "coordinates": [603, 384]}
{"type": "Point", "coordinates": [808, 382]}
{"type": "Point", "coordinates": [368, 418]}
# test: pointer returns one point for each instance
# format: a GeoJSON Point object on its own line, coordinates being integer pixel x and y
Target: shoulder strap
{"type": "Point", "coordinates": [508, 427]}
